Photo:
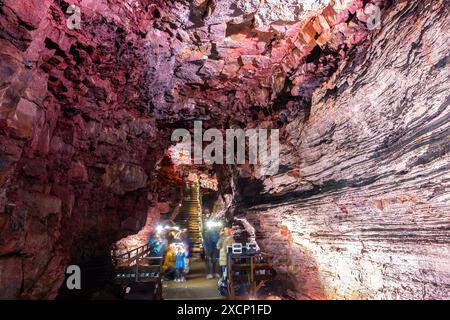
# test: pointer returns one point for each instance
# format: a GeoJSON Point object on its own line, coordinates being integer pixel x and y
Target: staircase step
{"type": "Point", "coordinates": [190, 217]}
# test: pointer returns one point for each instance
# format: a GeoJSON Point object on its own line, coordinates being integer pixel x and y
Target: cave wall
{"type": "Point", "coordinates": [76, 162]}
{"type": "Point", "coordinates": [85, 116]}
{"type": "Point", "coordinates": [360, 207]}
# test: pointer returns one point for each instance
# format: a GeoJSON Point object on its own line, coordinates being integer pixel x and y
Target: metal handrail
{"type": "Point", "coordinates": [130, 256]}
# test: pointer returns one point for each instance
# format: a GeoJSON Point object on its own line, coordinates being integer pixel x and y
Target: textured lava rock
{"type": "Point", "coordinates": [75, 166]}
{"type": "Point", "coordinates": [360, 208]}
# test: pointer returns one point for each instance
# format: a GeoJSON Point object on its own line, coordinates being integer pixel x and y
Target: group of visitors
{"type": "Point", "coordinates": [176, 262]}
{"type": "Point", "coordinates": [215, 243]}
{"type": "Point", "coordinates": [172, 244]}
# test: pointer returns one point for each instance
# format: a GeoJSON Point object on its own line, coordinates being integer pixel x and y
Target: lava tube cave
{"type": "Point", "coordinates": [224, 150]}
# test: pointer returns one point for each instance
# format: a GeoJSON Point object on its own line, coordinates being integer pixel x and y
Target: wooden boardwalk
{"type": "Point", "coordinates": [196, 287]}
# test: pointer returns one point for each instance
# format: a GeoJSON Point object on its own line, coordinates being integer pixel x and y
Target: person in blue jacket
{"type": "Point", "coordinates": [180, 262]}
{"type": "Point", "coordinates": [157, 245]}
{"type": "Point", "coordinates": [210, 239]}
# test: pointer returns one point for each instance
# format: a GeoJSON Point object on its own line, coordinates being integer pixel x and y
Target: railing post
{"type": "Point", "coordinates": [137, 269]}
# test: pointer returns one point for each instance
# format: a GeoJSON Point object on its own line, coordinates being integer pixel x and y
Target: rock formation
{"type": "Point", "coordinates": [358, 89]}
{"type": "Point", "coordinates": [361, 207]}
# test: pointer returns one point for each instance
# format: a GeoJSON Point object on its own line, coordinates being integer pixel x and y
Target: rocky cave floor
{"type": "Point", "coordinates": [358, 89]}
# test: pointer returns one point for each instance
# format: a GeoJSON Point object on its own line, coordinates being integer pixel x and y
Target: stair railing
{"type": "Point", "coordinates": [131, 256]}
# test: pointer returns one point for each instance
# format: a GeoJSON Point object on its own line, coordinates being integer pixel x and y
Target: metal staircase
{"type": "Point", "coordinates": [190, 216]}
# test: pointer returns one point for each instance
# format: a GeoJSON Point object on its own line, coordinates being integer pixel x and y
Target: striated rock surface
{"type": "Point", "coordinates": [360, 208]}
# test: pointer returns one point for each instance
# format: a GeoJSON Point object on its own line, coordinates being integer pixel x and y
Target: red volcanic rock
{"type": "Point", "coordinates": [23, 118]}
{"type": "Point", "coordinates": [86, 117]}
{"type": "Point", "coordinates": [11, 276]}
{"type": "Point", "coordinates": [140, 238]}
{"type": "Point", "coordinates": [29, 12]}
{"type": "Point", "coordinates": [72, 133]}
{"type": "Point", "coordinates": [122, 178]}
{"type": "Point", "coordinates": [78, 172]}
{"type": "Point", "coordinates": [163, 207]}
{"type": "Point", "coordinates": [43, 205]}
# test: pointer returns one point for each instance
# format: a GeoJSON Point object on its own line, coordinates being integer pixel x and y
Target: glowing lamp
{"type": "Point", "coordinates": [210, 224]}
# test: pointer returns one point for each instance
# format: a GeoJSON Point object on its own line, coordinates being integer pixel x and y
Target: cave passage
{"type": "Point", "coordinates": [180, 259]}
{"type": "Point", "coordinates": [193, 253]}
{"type": "Point", "coordinates": [224, 149]}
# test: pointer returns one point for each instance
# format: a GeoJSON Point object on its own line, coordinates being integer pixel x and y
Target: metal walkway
{"type": "Point", "coordinates": [136, 270]}
{"type": "Point", "coordinates": [197, 287]}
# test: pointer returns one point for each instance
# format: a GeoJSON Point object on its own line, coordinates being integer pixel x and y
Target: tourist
{"type": "Point", "coordinates": [210, 239]}
{"type": "Point", "coordinates": [169, 263]}
{"type": "Point", "coordinates": [180, 262]}
{"type": "Point", "coordinates": [225, 240]}
{"type": "Point", "coordinates": [157, 245]}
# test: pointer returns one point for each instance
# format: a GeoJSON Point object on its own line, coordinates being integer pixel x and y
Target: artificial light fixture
{"type": "Point", "coordinates": [159, 228]}
{"type": "Point", "coordinates": [210, 224]}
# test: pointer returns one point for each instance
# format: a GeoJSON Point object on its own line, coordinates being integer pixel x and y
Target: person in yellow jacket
{"type": "Point", "coordinates": [168, 266]}
{"type": "Point", "coordinates": [225, 240]}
